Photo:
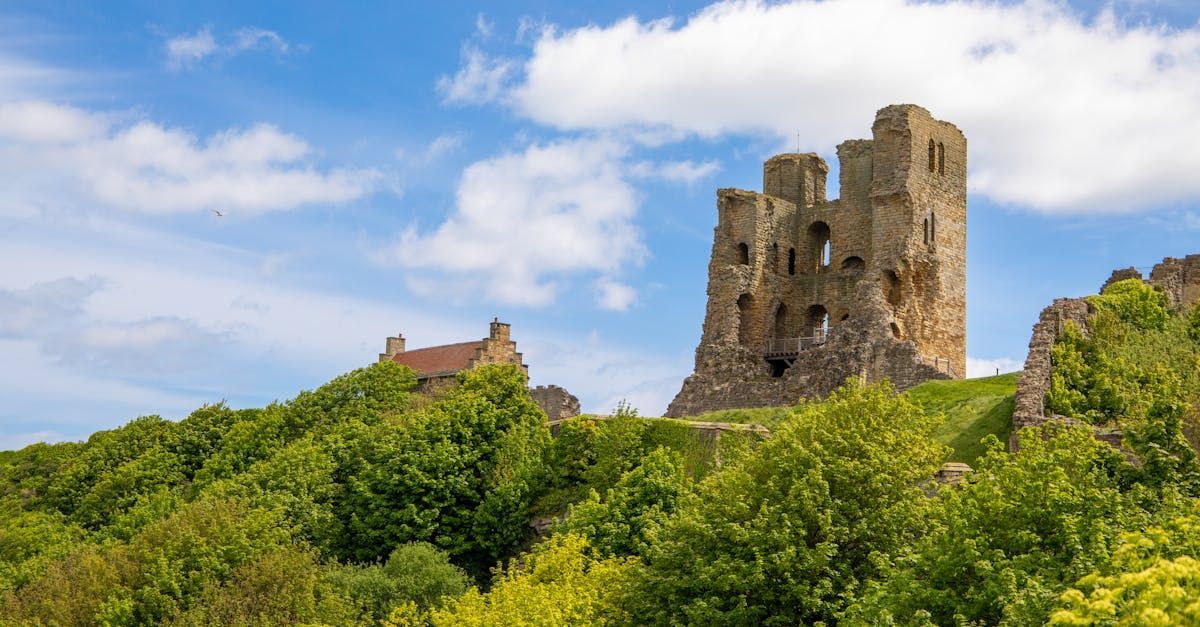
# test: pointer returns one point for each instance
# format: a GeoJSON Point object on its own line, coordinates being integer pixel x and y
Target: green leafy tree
{"type": "Point", "coordinates": [1134, 302]}
{"type": "Point", "coordinates": [633, 509]}
{"type": "Point", "coordinates": [424, 575]}
{"type": "Point", "coordinates": [558, 583]}
{"type": "Point", "coordinates": [1153, 579]}
{"type": "Point", "coordinates": [789, 534]}
{"type": "Point", "coordinates": [1012, 538]}
{"type": "Point", "coordinates": [460, 474]}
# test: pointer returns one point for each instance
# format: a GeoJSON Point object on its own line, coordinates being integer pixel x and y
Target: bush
{"type": "Point", "coordinates": [631, 510]}
{"type": "Point", "coordinates": [788, 534]}
{"type": "Point", "coordinates": [1134, 302]}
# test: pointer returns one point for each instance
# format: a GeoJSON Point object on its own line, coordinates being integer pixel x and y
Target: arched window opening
{"type": "Point", "coordinates": [816, 321]}
{"type": "Point", "coordinates": [891, 287]}
{"type": "Point", "coordinates": [818, 244]}
{"type": "Point", "coordinates": [932, 227]}
{"type": "Point", "coordinates": [791, 261]}
{"type": "Point", "coordinates": [853, 265]}
{"type": "Point", "coordinates": [926, 230]}
{"type": "Point", "coordinates": [743, 254]}
{"type": "Point", "coordinates": [745, 303]}
{"type": "Point", "coordinates": [782, 326]}
{"type": "Point", "coordinates": [932, 154]}
{"type": "Point", "coordinates": [941, 158]}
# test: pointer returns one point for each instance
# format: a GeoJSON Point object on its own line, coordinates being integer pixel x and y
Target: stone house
{"type": "Point", "coordinates": [437, 366]}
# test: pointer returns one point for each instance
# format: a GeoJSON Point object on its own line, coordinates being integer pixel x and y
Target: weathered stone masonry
{"type": "Point", "coordinates": [875, 280]}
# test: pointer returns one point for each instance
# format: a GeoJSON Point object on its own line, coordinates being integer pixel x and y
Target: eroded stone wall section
{"type": "Point", "coordinates": [555, 401]}
{"type": "Point", "coordinates": [1178, 278]}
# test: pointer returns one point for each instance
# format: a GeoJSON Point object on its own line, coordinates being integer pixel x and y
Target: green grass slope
{"type": "Point", "coordinates": [971, 409]}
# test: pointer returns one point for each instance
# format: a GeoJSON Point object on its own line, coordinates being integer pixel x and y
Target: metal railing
{"type": "Point", "coordinates": [784, 346]}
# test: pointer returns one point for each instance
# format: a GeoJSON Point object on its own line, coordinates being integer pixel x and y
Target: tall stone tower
{"type": "Point", "coordinates": [804, 292]}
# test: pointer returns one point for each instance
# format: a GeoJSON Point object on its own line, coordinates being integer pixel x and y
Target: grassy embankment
{"type": "Point", "coordinates": [970, 408]}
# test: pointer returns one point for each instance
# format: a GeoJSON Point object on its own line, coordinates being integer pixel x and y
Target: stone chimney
{"type": "Point", "coordinates": [394, 346]}
{"type": "Point", "coordinates": [499, 331]}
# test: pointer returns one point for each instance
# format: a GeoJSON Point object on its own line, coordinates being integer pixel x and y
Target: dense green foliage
{"type": "Point", "coordinates": [363, 502]}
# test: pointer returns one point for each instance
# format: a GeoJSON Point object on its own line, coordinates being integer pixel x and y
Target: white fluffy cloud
{"type": "Point", "coordinates": [525, 220]}
{"type": "Point", "coordinates": [614, 295]}
{"type": "Point", "coordinates": [56, 156]}
{"type": "Point", "coordinates": [1063, 114]}
{"type": "Point", "coordinates": [188, 49]}
{"type": "Point", "coordinates": [980, 367]}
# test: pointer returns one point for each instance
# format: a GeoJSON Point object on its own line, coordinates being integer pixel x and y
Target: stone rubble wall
{"type": "Point", "coordinates": [1030, 405]}
{"type": "Point", "coordinates": [1179, 278]}
{"type": "Point", "coordinates": [555, 401]}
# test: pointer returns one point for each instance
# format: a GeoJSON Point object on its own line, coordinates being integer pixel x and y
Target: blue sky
{"type": "Point", "coordinates": [384, 167]}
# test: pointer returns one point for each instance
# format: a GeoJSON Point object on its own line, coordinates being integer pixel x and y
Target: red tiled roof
{"type": "Point", "coordinates": [439, 359]}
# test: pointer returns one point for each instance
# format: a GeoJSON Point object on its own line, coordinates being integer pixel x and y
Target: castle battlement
{"type": "Point", "coordinates": [789, 264]}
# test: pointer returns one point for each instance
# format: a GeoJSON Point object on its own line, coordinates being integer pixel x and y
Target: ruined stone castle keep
{"type": "Point", "coordinates": [804, 292]}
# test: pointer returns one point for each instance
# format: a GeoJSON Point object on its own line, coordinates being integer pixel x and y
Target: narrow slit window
{"type": "Point", "coordinates": [791, 261]}
{"type": "Point", "coordinates": [743, 254]}
{"type": "Point", "coordinates": [941, 154]}
{"type": "Point", "coordinates": [932, 227]}
{"type": "Point", "coordinates": [932, 155]}
{"type": "Point", "coordinates": [926, 230]}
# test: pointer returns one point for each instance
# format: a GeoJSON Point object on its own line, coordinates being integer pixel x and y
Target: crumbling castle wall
{"type": "Point", "coordinates": [555, 401]}
{"type": "Point", "coordinates": [789, 264]}
{"type": "Point", "coordinates": [1179, 279]}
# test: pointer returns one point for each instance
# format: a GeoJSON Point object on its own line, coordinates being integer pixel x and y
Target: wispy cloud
{"type": "Point", "coordinates": [189, 49]}
{"type": "Point", "coordinates": [60, 157]}
{"type": "Point", "coordinates": [480, 79]}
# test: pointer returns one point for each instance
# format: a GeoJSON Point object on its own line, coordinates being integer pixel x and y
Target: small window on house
{"type": "Point", "coordinates": [743, 254]}
{"type": "Point", "coordinates": [941, 158]}
{"type": "Point", "coordinates": [932, 154]}
{"type": "Point", "coordinates": [791, 261]}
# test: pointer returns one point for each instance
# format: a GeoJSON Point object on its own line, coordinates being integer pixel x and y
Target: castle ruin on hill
{"type": "Point", "coordinates": [805, 292]}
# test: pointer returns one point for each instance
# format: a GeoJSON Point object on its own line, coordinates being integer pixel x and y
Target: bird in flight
{"type": "Point", "coordinates": [219, 214]}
